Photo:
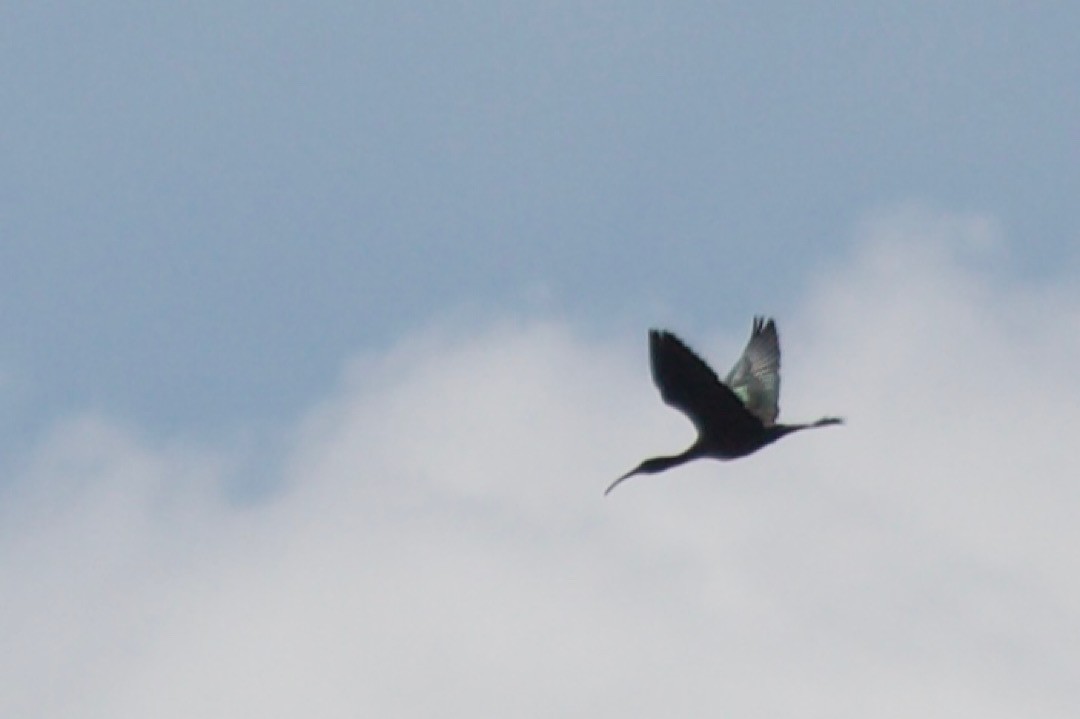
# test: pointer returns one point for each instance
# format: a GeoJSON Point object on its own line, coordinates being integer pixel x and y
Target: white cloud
{"type": "Point", "coordinates": [440, 544]}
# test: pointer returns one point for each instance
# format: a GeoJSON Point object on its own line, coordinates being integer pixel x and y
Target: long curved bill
{"type": "Point", "coordinates": [615, 484]}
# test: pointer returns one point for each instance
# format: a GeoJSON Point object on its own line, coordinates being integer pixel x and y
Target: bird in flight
{"type": "Point", "coordinates": [735, 417]}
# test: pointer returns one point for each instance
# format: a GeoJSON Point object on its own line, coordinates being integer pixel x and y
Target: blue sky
{"type": "Point", "coordinates": [207, 208]}
{"type": "Point", "coordinates": [313, 311]}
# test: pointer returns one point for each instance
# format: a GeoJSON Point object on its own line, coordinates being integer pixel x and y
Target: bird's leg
{"type": "Point", "coordinates": [776, 431]}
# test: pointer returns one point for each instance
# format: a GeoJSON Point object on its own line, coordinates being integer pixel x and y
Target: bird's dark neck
{"type": "Point", "coordinates": [659, 464]}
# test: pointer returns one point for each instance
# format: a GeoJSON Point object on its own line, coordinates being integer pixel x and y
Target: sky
{"type": "Point", "coordinates": [323, 331]}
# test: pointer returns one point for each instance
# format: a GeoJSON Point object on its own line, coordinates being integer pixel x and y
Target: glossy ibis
{"type": "Point", "coordinates": [733, 418]}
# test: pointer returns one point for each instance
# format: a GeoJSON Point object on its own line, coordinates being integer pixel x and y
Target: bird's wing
{"type": "Point", "coordinates": [689, 385]}
{"type": "Point", "coordinates": [755, 378]}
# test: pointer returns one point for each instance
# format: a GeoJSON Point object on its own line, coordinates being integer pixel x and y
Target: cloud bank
{"type": "Point", "coordinates": [437, 542]}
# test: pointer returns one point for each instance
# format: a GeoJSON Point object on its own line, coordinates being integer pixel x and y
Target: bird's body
{"type": "Point", "coordinates": [735, 417]}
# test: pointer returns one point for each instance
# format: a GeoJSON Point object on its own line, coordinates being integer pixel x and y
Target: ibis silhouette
{"type": "Point", "coordinates": [735, 417]}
